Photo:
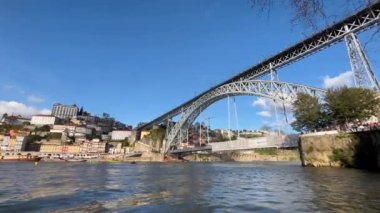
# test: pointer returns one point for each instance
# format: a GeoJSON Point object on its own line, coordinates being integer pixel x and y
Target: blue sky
{"type": "Point", "coordinates": [138, 59]}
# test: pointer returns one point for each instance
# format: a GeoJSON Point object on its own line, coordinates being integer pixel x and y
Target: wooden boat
{"type": "Point", "coordinates": [76, 160]}
{"type": "Point", "coordinates": [133, 154]}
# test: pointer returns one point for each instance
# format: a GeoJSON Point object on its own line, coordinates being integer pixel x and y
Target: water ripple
{"type": "Point", "coordinates": [190, 187]}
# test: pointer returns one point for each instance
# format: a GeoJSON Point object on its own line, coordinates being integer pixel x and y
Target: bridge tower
{"type": "Point", "coordinates": [362, 72]}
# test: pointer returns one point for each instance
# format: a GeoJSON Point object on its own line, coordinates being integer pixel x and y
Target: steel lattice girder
{"type": "Point", "coordinates": [360, 21]}
{"type": "Point", "coordinates": [276, 90]}
{"type": "Point", "coordinates": [363, 75]}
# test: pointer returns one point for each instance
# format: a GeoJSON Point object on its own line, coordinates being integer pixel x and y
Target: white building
{"type": "Point", "coordinates": [13, 144]}
{"type": "Point", "coordinates": [119, 135]}
{"type": "Point", "coordinates": [83, 130]}
{"type": "Point", "coordinates": [105, 137]}
{"type": "Point", "coordinates": [20, 144]}
{"type": "Point", "coordinates": [64, 111]}
{"type": "Point", "coordinates": [40, 120]}
{"type": "Point", "coordinates": [64, 129]}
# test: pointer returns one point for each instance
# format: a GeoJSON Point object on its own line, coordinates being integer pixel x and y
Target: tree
{"type": "Point", "coordinates": [158, 134]}
{"type": "Point", "coordinates": [125, 142]}
{"type": "Point", "coordinates": [346, 105]}
{"type": "Point", "coordinates": [106, 115]}
{"type": "Point", "coordinates": [310, 13]}
{"type": "Point", "coordinates": [308, 113]}
{"type": "Point", "coordinates": [5, 115]}
{"type": "Point", "coordinates": [266, 128]}
{"type": "Point", "coordinates": [315, 14]}
{"type": "Point", "coordinates": [44, 128]}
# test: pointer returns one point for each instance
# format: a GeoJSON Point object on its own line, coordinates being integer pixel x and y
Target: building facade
{"type": "Point", "coordinates": [119, 135]}
{"type": "Point", "coordinates": [64, 111]}
{"type": "Point", "coordinates": [16, 144]}
{"type": "Point", "coordinates": [40, 120]}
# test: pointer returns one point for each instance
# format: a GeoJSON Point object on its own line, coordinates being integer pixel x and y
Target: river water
{"type": "Point", "coordinates": [186, 187]}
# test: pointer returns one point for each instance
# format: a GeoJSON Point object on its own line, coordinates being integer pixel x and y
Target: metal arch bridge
{"type": "Point", "coordinates": [358, 22]}
{"type": "Point", "coordinates": [343, 30]}
{"type": "Point", "coordinates": [276, 90]}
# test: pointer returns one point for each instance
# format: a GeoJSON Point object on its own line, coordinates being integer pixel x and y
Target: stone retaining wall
{"type": "Point", "coordinates": [359, 150]}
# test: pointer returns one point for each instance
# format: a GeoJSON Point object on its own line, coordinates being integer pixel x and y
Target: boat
{"type": "Point", "coordinates": [76, 160]}
{"type": "Point", "coordinates": [31, 159]}
{"type": "Point", "coordinates": [133, 154]}
{"type": "Point", "coordinates": [54, 160]}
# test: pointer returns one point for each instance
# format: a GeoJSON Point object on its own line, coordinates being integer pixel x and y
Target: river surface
{"type": "Point", "coordinates": [186, 187]}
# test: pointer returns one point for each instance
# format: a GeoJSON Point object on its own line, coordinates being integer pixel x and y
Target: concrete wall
{"type": "Point", "coordinates": [359, 150]}
{"type": "Point", "coordinates": [254, 143]}
{"type": "Point", "coordinates": [266, 155]}
{"type": "Point", "coordinates": [147, 152]}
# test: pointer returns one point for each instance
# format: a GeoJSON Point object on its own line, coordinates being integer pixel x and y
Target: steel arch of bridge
{"type": "Point", "coordinates": [360, 21]}
{"type": "Point", "coordinates": [276, 90]}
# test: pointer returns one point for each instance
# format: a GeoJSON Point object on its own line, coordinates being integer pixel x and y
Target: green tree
{"type": "Point", "coordinates": [266, 128]}
{"type": "Point", "coordinates": [106, 115]}
{"type": "Point", "coordinates": [345, 105]}
{"type": "Point", "coordinates": [308, 113]}
{"type": "Point", "coordinates": [44, 128]}
{"type": "Point", "coordinates": [158, 134]}
{"type": "Point", "coordinates": [125, 142]}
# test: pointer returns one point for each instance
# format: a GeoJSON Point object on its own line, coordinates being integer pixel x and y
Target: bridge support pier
{"type": "Point", "coordinates": [363, 75]}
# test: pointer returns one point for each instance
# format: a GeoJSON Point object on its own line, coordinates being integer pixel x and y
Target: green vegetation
{"type": "Point", "coordinates": [345, 135]}
{"type": "Point", "coordinates": [266, 128]}
{"type": "Point", "coordinates": [344, 156]}
{"type": "Point", "coordinates": [269, 151]}
{"type": "Point", "coordinates": [308, 113]}
{"type": "Point", "coordinates": [158, 134]}
{"type": "Point", "coordinates": [341, 106]}
{"type": "Point", "coordinates": [54, 136]}
{"type": "Point", "coordinates": [125, 142]}
{"type": "Point", "coordinates": [44, 128]}
{"type": "Point", "coordinates": [310, 149]}
{"type": "Point", "coordinates": [33, 138]}
{"type": "Point", "coordinates": [251, 136]}
{"type": "Point", "coordinates": [346, 105]}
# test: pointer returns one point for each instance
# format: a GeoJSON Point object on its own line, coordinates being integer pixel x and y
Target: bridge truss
{"type": "Point", "coordinates": [343, 30]}
{"type": "Point", "coordinates": [276, 90]}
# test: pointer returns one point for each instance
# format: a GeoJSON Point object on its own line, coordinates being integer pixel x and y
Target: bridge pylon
{"type": "Point", "coordinates": [363, 74]}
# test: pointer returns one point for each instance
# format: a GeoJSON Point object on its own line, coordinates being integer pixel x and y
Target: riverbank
{"type": "Point", "coordinates": [333, 149]}
{"type": "Point", "coordinates": [267, 154]}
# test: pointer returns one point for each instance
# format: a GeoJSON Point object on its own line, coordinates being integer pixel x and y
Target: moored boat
{"type": "Point", "coordinates": [76, 160]}
{"type": "Point", "coordinates": [31, 159]}
{"type": "Point", "coordinates": [133, 154]}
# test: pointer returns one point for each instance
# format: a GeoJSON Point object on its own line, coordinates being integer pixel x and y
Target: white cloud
{"type": "Point", "coordinates": [16, 108]}
{"type": "Point", "coordinates": [338, 81]}
{"type": "Point", "coordinates": [264, 113]}
{"type": "Point", "coordinates": [35, 99]}
{"type": "Point", "coordinates": [261, 102]}
{"type": "Point", "coordinates": [267, 111]}
{"type": "Point", "coordinates": [268, 105]}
